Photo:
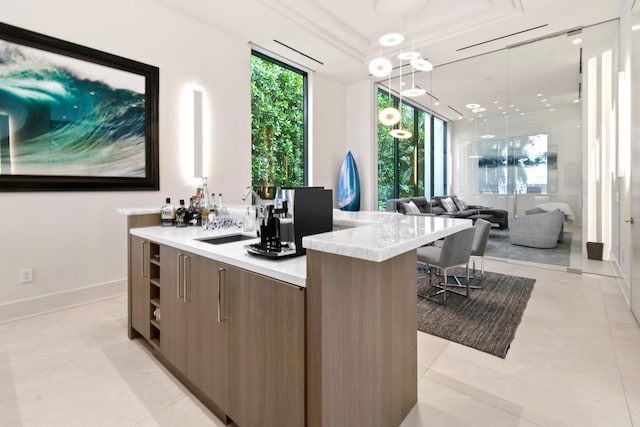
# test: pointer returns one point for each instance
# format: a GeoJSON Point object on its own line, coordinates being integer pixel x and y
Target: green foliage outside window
{"type": "Point", "coordinates": [402, 162]}
{"type": "Point", "coordinates": [277, 124]}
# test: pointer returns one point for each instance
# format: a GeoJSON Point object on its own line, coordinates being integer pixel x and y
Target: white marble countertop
{"type": "Point", "coordinates": [290, 270]}
{"type": "Point", "coordinates": [382, 235]}
{"type": "Point", "coordinates": [372, 236]}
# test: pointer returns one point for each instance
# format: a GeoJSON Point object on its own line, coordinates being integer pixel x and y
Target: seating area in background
{"type": "Point", "coordinates": [448, 206]}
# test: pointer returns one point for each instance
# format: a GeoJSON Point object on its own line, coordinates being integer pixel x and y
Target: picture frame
{"type": "Point", "coordinates": [73, 118]}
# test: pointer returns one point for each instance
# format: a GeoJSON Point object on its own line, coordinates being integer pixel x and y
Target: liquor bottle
{"type": "Point", "coordinates": [167, 213]}
{"type": "Point", "coordinates": [194, 215]}
{"type": "Point", "coordinates": [181, 215]}
{"type": "Point", "coordinates": [204, 204]}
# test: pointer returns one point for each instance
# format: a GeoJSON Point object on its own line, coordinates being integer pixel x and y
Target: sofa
{"type": "Point", "coordinates": [448, 206]}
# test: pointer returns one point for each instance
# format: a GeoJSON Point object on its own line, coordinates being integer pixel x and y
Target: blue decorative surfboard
{"type": "Point", "coordinates": [349, 185]}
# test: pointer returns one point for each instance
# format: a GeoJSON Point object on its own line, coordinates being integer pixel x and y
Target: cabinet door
{"type": "Point", "coordinates": [266, 350]}
{"type": "Point", "coordinates": [207, 337]}
{"type": "Point", "coordinates": [173, 307]}
{"type": "Point", "coordinates": [139, 264]}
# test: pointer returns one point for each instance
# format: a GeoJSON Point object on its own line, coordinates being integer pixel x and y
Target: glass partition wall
{"type": "Point", "coordinates": [515, 138]}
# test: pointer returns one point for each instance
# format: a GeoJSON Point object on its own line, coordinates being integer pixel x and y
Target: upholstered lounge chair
{"type": "Point", "coordinates": [542, 230]}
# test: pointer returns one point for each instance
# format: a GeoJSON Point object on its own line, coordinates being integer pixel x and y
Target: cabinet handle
{"type": "Point", "coordinates": [178, 278]}
{"type": "Point", "coordinates": [185, 271]}
{"type": "Point", "coordinates": [220, 271]}
{"type": "Point", "coordinates": [143, 258]}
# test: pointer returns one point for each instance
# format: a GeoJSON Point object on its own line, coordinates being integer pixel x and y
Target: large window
{"type": "Point", "coordinates": [278, 124]}
{"type": "Point", "coordinates": [414, 166]}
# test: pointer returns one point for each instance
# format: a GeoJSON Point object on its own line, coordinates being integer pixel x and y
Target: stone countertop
{"type": "Point", "coordinates": [290, 270]}
{"type": "Point", "coordinates": [378, 236]}
{"type": "Point", "coordinates": [372, 236]}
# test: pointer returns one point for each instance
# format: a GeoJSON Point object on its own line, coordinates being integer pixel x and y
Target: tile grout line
{"type": "Point", "coordinates": [615, 351]}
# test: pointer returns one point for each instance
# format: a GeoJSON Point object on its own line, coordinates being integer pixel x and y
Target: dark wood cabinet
{"type": "Point", "coordinates": [237, 336]}
{"type": "Point", "coordinates": [140, 308]}
{"type": "Point", "coordinates": [266, 350]}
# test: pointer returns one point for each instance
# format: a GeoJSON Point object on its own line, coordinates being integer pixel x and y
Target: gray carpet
{"type": "Point", "coordinates": [498, 246]}
{"type": "Point", "coordinates": [486, 321]}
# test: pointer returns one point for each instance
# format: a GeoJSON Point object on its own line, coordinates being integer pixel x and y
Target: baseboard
{"type": "Point", "coordinates": [30, 307]}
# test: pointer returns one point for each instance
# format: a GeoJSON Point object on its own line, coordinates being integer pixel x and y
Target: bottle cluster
{"type": "Point", "coordinates": [202, 211]}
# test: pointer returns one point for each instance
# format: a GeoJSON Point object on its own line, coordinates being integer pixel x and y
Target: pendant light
{"type": "Point", "coordinates": [410, 56]}
{"type": "Point", "coordinates": [389, 116]}
{"type": "Point", "coordinates": [400, 133]}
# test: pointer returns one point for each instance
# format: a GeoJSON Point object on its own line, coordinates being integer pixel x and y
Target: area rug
{"type": "Point", "coordinates": [498, 246]}
{"type": "Point", "coordinates": [486, 321]}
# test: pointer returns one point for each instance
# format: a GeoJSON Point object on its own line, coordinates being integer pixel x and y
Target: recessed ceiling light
{"type": "Point", "coordinates": [543, 100]}
{"type": "Point", "coordinates": [577, 41]}
{"type": "Point", "coordinates": [511, 105]}
{"type": "Point", "coordinates": [391, 39]}
{"type": "Point", "coordinates": [548, 105]}
{"type": "Point", "coordinates": [539, 94]}
{"type": "Point", "coordinates": [487, 136]}
{"type": "Point", "coordinates": [522, 114]}
{"type": "Point", "coordinates": [635, 27]}
{"type": "Point", "coordinates": [478, 110]}
{"type": "Point", "coordinates": [495, 102]}
{"type": "Point", "coordinates": [459, 117]}
{"type": "Point", "coordinates": [504, 112]}
{"type": "Point", "coordinates": [576, 101]}
{"type": "Point", "coordinates": [499, 108]}
{"type": "Point", "coordinates": [517, 109]}
{"type": "Point", "coordinates": [403, 83]}
{"type": "Point", "coordinates": [436, 103]}
{"type": "Point", "coordinates": [407, 56]}
{"type": "Point", "coordinates": [552, 109]}
{"type": "Point", "coordinates": [472, 106]}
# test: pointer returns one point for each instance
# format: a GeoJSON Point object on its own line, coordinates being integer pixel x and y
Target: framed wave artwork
{"type": "Point", "coordinates": [75, 118]}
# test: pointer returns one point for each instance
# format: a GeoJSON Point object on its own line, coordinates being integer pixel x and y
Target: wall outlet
{"type": "Point", "coordinates": [26, 275]}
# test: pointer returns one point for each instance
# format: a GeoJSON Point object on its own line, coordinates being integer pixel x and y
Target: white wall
{"type": "Point", "coordinates": [76, 242]}
{"type": "Point", "coordinates": [328, 142]}
{"type": "Point", "coordinates": [361, 139]}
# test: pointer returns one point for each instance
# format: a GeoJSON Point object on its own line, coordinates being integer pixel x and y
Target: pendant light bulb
{"type": "Point", "coordinates": [380, 67]}
{"type": "Point", "coordinates": [421, 64]}
{"type": "Point", "coordinates": [407, 56]}
{"type": "Point", "coordinates": [413, 92]}
{"type": "Point", "coordinates": [400, 133]}
{"type": "Point", "coordinates": [389, 116]}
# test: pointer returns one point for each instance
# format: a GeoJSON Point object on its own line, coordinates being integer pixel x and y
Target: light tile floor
{"type": "Point", "coordinates": [575, 361]}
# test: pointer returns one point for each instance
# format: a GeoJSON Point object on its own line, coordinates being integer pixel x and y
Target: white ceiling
{"type": "Point", "coordinates": [338, 38]}
{"type": "Point", "coordinates": [343, 35]}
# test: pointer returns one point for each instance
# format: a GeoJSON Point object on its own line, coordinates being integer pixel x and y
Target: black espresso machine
{"type": "Point", "coordinates": [298, 212]}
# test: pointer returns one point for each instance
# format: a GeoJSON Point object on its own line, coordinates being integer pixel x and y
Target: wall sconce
{"type": "Point", "coordinates": [197, 133]}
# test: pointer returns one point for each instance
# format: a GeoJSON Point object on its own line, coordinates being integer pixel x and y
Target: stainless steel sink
{"type": "Point", "coordinates": [219, 240]}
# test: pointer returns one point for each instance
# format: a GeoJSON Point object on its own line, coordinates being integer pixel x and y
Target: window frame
{"type": "Point", "coordinates": [275, 59]}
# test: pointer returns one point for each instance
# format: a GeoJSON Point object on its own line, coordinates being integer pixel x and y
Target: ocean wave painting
{"type": "Point", "coordinates": [69, 117]}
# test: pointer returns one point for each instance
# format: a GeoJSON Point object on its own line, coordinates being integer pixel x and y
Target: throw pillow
{"type": "Point", "coordinates": [448, 205]}
{"type": "Point", "coordinates": [461, 204]}
{"type": "Point", "coordinates": [410, 208]}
